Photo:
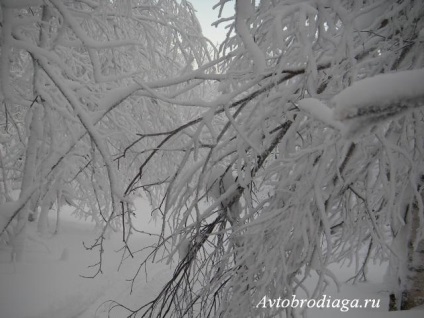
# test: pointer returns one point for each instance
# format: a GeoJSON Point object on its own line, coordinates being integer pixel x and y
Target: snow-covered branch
{"type": "Point", "coordinates": [369, 101]}
{"type": "Point", "coordinates": [372, 100]}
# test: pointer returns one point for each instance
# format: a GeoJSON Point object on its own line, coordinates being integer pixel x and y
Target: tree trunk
{"type": "Point", "coordinates": [42, 224]}
{"type": "Point", "coordinates": [19, 230]}
{"type": "Point", "coordinates": [413, 295]}
{"type": "Point", "coordinates": [407, 267]}
{"type": "Point", "coordinates": [56, 231]}
{"type": "Point", "coordinates": [35, 135]}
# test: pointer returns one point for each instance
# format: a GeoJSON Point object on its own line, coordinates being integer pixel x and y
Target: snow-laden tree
{"type": "Point", "coordinates": [311, 153]}
{"type": "Point", "coordinates": [80, 81]}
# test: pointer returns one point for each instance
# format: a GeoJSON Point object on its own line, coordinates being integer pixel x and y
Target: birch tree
{"type": "Point", "coordinates": [310, 153]}
{"type": "Point", "coordinates": [80, 81]}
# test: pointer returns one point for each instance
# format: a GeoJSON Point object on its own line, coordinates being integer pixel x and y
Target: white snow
{"type": "Point", "coordinates": [369, 101]}
{"type": "Point", "coordinates": [319, 110]}
{"type": "Point", "coordinates": [379, 93]}
{"type": "Point", "coordinates": [376, 99]}
{"type": "Point", "coordinates": [47, 284]}
{"type": "Point", "coordinates": [244, 11]}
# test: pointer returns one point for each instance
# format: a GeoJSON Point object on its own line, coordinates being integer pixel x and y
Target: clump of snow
{"type": "Point", "coordinates": [379, 98]}
{"type": "Point", "coordinates": [369, 101]}
{"type": "Point", "coordinates": [379, 93]}
{"type": "Point", "coordinates": [319, 111]}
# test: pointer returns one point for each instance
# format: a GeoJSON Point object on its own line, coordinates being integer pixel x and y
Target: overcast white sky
{"type": "Point", "coordinates": [207, 16]}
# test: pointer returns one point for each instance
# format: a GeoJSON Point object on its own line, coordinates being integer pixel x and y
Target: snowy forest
{"type": "Point", "coordinates": [292, 145]}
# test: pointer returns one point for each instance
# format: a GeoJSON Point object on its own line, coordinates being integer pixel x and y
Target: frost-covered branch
{"type": "Point", "coordinates": [369, 102]}
{"type": "Point", "coordinates": [83, 92]}
{"type": "Point", "coordinates": [308, 197]}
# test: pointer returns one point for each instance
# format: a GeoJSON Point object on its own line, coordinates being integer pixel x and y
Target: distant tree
{"type": "Point", "coordinates": [80, 81]}
{"type": "Point", "coordinates": [311, 153]}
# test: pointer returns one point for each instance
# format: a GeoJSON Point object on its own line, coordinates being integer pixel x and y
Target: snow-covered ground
{"type": "Point", "coordinates": [48, 284]}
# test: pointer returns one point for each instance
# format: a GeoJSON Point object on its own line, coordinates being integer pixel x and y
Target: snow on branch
{"type": "Point", "coordinates": [372, 100]}
{"type": "Point", "coordinates": [380, 94]}
{"type": "Point", "coordinates": [320, 111]}
{"type": "Point", "coordinates": [244, 10]}
{"type": "Point", "coordinates": [369, 101]}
